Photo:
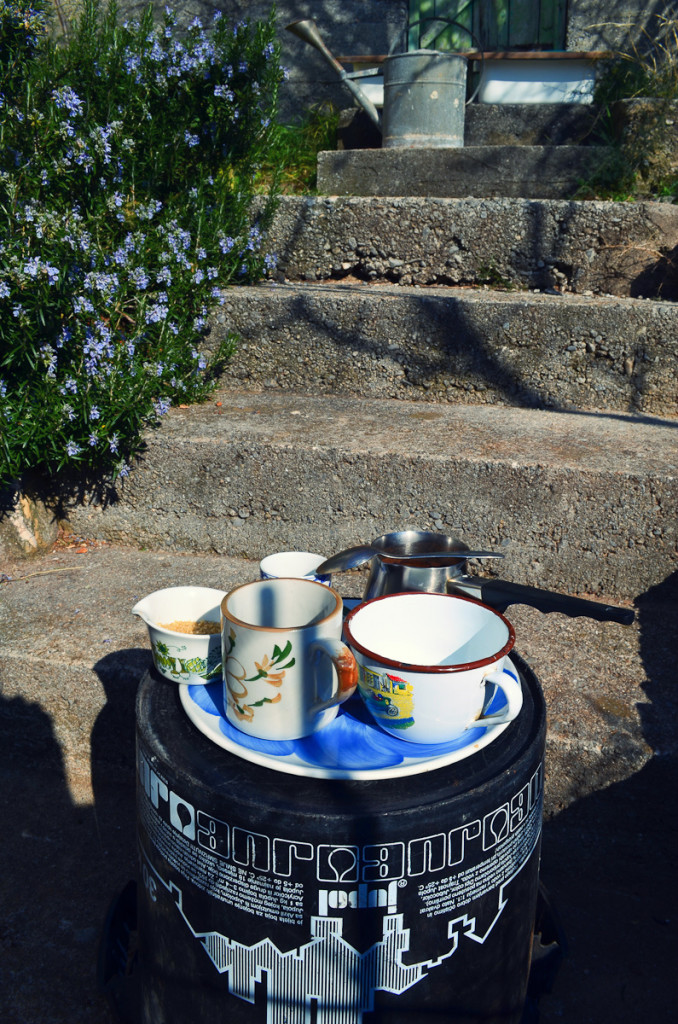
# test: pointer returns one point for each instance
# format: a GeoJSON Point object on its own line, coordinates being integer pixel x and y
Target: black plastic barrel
{"type": "Point", "coordinates": [269, 898]}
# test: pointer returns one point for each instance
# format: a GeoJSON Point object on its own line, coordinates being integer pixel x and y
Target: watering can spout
{"type": "Point", "coordinates": [307, 30]}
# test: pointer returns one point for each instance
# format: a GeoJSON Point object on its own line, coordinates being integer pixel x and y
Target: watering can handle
{"type": "Point", "coordinates": [476, 41]}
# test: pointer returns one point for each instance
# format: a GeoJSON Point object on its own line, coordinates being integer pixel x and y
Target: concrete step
{"type": "Point", "coordinates": [626, 249]}
{"type": "Point", "coordinates": [532, 124]}
{"type": "Point", "coordinates": [532, 172]}
{"type": "Point", "coordinates": [73, 654]}
{"type": "Point", "coordinates": [580, 502]}
{"type": "Point", "coordinates": [455, 345]}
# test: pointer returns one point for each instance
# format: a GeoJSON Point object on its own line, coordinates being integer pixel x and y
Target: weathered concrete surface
{"type": "Point", "coordinates": [71, 656]}
{"type": "Point", "coordinates": [530, 124]}
{"type": "Point", "coordinates": [615, 248]}
{"type": "Point", "coordinates": [457, 345]}
{"type": "Point", "coordinates": [584, 501]}
{"type": "Point", "coordinates": [531, 172]}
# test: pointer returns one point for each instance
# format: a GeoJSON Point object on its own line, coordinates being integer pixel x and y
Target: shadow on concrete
{"type": "Point", "coordinates": [113, 733]}
{"type": "Point", "coordinates": [461, 356]}
{"type": "Point", "coordinates": [660, 279]}
{"type": "Point", "coordinates": [610, 860]}
{"type": "Point", "coordinates": [64, 856]}
{"type": "Point", "coordinates": [464, 352]}
{"type": "Point", "coordinates": [657, 611]}
{"type": "Point", "coordinates": [61, 860]}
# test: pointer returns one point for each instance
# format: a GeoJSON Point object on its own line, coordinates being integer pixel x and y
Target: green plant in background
{"type": "Point", "coordinates": [127, 160]}
{"type": "Point", "coordinates": [292, 155]}
{"type": "Point", "coordinates": [489, 274]}
{"type": "Point", "coordinates": [648, 67]}
{"type": "Point", "coordinates": [642, 131]}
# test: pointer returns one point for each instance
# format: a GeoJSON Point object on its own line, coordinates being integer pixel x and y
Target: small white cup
{"type": "Point", "coordinates": [426, 660]}
{"type": "Point", "coordinates": [285, 668]}
{"type": "Point", "coordinates": [293, 565]}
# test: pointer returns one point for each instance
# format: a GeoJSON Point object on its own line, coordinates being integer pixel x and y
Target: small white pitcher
{"type": "Point", "coordinates": [183, 657]}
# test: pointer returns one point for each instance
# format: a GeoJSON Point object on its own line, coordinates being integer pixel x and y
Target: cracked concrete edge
{"type": "Point", "coordinates": [605, 247]}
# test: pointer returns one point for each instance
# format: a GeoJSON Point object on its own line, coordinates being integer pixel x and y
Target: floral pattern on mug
{"type": "Point", "coordinates": [269, 669]}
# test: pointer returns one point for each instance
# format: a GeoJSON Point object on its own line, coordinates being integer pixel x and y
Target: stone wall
{"type": "Point", "coordinates": [348, 27]}
{"type": "Point", "coordinates": [612, 24]}
{"type": "Point", "coordinates": [352, 27]}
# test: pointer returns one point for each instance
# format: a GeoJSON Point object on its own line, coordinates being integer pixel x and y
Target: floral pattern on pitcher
{"type": "Point", "coordinates": [269, 669]}
{"type": "Point", "coordinates": [387, 697]}
{"type": "Point", "coordinates": [168, 659]}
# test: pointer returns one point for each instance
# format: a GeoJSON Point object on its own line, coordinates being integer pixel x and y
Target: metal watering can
{"type": "Point", "coordinates": [424, 93]}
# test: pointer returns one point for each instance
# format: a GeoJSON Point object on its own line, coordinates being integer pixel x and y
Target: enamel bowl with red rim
{"type": "Point", "coordinates": [430, 664]}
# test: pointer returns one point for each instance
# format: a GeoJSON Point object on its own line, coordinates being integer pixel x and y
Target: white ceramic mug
{"type": "Point", "coordinates": [293, 564]}
{"type": "Point", "coordinates": [429, 664]}
{"type": "Point", "coordinates": [286, 670]}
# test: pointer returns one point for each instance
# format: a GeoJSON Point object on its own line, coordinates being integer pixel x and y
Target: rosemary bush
{"type": "Point", "coordinates": [127, 159]}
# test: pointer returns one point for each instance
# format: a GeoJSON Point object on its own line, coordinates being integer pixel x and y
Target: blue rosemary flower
{"type": "Point", "coordinates": [162, 406]}
{"type": "Point", "coordinates": [66, 99]}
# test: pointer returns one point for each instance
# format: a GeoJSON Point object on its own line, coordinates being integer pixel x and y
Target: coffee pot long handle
{"type": "Point", "coordinates": [499, 594]}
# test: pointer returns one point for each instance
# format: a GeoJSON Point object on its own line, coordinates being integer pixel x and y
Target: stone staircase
{"type": "Point", "coordinates": [500, 368]}
{"type": "Point", "coordinates": [415, 357]}
{"type": "Point", "coordinates": [497, 366]}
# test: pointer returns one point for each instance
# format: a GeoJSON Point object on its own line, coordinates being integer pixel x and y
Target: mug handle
{"type": "Point", "coordinates": [513, 692]}
{"type": "Point", "coordinates": [345, 665]}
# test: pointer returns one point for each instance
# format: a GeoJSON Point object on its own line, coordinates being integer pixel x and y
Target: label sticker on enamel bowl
{"type": "Point", "coordinates": [387, 697]}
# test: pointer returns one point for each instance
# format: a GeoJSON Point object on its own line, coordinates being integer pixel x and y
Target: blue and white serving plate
{"type": "Point", "coordinates": [350, 747]}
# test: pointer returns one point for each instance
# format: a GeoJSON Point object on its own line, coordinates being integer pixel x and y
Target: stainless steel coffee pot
{"type": "Point", "coordinates": [418, 560]}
